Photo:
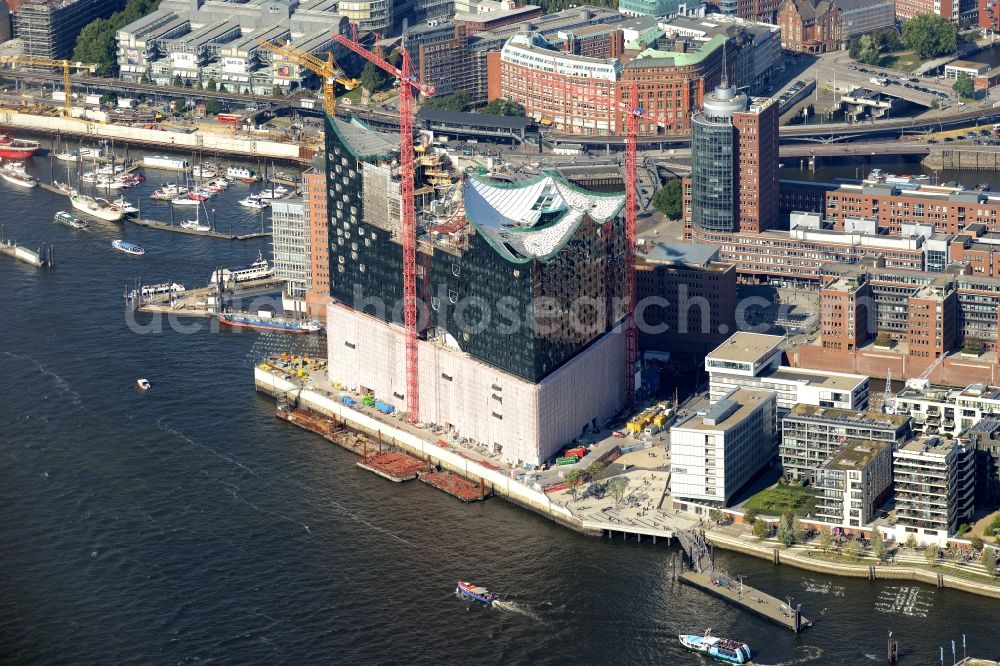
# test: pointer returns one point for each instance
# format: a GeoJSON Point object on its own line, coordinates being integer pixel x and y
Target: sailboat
{"type": "Point", "coordinates": [195, 224]}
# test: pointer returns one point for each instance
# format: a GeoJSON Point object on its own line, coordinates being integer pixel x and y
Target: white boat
{"type": "Point", "coordinates": [15, 174]}
{"type": "Point", "coordinates": [256, 204]}
{"type": "Point", "coordinates": [143, 384]}
{"type": "Point", "coordinates": [184, 201]}
{"type": "Point", "coordinates": [69, 220]}
{"type": "Point", "coordinates": [204, 171]}
{"type": "Point", "coordinates": [258, 270]}
{"type": "Point", "coordinates": [99, 208]}
{"type": "Point", "coordinates": [125, 206]}
{"type": "Point", "coordinates": [127, 248]}
{"type": "Point", "coordinates": [65, 188]}
{"type": "Point", "coordinates": [168, 192]}
{"type": "Point", "coordinates": [195, 225]}
{"type": "Point", "coordinates": [268, 194]}
{"type": "Point", "coordinates": [82, 153]}
{"type": "Point", "coordinates": [167, 163]}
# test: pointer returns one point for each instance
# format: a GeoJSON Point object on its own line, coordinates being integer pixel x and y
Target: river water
{"type": "Point", "coordinates": [190, 525]}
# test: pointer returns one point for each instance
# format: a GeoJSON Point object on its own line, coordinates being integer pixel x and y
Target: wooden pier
{"type": "Point", "coordinates": [749, 599]}
{"type": "Point", "coordinates": [166, 226]}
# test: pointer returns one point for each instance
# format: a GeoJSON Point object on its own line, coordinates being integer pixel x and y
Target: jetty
{"type": "Point", "coordinates": [44, 257]}
{"type": "Point", "coordinates": [747, 598]}
{"type": "Point", "coordinates": [211, 233]}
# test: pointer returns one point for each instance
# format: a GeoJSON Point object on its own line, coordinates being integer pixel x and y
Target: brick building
{"type": "Point", "coordinates": [808, 26]}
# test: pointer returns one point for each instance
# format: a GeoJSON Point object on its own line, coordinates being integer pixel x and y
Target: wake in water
{"type": "Point", "coordinates": [803, 655]}
{"type": "Point", "coordinates": [519, 609]}
{"type": "Point", "coordinates": [61, 384]}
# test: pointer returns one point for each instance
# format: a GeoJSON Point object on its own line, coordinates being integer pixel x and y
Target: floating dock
{"type": "Point", "coordinates": [42, 259]}
{"type": "Point", "coordinates": [166, 226]}
{"type": "Point", "coordinates": [326, 427]}
{"type": "Point", "coordinates": [397, 467]}
{"type": "Point", "coordinates": [749, 599]}
{"type": "Point", "coordinates": [454, 485]}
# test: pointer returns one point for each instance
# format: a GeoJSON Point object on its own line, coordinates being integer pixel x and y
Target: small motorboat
{"type": "Point", "coordinates": [476, 592]}
{"type": "Point", "coordinates": [185, 201]}
{"type": "Point", "coordinates": [128, 248]}
{"type": "Point", "coordinates": [722, 649]}
{"type": "Point", "coordinates": [143, 384]}
{"type": "Point", "coordinates": [195, 225]}
{"type": "Point", "coordinates": [253, 203]}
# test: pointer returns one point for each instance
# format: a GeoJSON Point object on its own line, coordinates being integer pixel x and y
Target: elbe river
{"type": "Point", "coordinates": [189, 525]}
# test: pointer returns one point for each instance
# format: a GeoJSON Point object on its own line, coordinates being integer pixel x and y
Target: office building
{"type": "Point", "coordinates": [686, 298]}
{"type": "Point", "coordinates": [818, 26]}
{"type": "Point", "coordinates": [441, 56]}
{"type": "Point", "coordinates": [734, 175]}
{"type": "Point", "coordinates": [954, 10]}
{"type": "Point", "coordinates": [935, 489]}
{"type": "Point", "coordinates": [659, 8]}
{"type": "Point", "coordinates": [490, 368]}
{"type": "Point", "coordinates": [369, 15]}
{"type": "Point", "coordinates": [290, 236]}
{"type": "Point", "coordinates": [318, 237]}
{"type": "Point", "coordinates": [811, 436]}
{"type": "Point", "coordinates": [49, 28]}
{"type": "Point", "coordinates": [753, 361]}
{"type": "Point", "coordinates": [715, 454]}
{"type": "Point", "coordinates": [854, 484]}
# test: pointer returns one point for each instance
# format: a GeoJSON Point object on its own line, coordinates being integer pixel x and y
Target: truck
{"type": "Point", "coordinates": [879, 80]}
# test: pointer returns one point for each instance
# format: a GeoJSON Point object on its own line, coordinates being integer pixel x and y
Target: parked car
{"type": "Point", "coordinates": [933, 141]}
{"type": "Point", "coordinates": [948, 139]}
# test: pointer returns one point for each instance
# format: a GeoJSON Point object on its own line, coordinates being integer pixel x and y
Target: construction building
{"type": "Point", "coordinates": [734, 165]}
{"type": "Point", "coordinates": [493, 368]}
{"type": "Point", "coordinates": [686, 298]}
{"type": "Point", "coordinates": [442, 57]}
{"type": "Point", "coordinates": [314, 199]}
{"type": "Point", "coordinates": [753, 361]}
{"type": "Point", "coordinates": [854, 484]}
{"type": "Point", "coordinates": [290, 237]}
{"type": "Point", "coordinates": [49, 28]}
{"type": "Point", "coordinates": [811, 436]}
{"type": "Point", "coordinates": [213, 41]}
{"type": "Point", "coordinates": [935, 489]}
{"type": "Point", "coordinates": [715, 454]}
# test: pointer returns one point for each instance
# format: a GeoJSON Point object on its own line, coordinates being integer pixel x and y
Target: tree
{"type": "Point", "coordinates": [503, 107]}
{"type": "Point", "coordinates": [825, 538]}
{"type": "Point", "coordinates": [213, 107]}
{"type": "Point", "coordinates": [616, 487]}
{"type": "Point", "coordinates": [798, 532]}
{"type": "Point", "coordinates": [852, 549]}
{"type": "Point", "coordinates": [964, 86]}
{"type": "Point", "coordinates": [96, 44]}
{"type": "Point", "coordinates": [177, 82]}
{"type": "Point", "coordinates": [453, 102]}
{"type": "Point", "coordinates": [931, 554]}
{"type": "Point", "coordinates": [761, 529]}
{"type": "Point", "coordinates": [976, 543]}
{"type": "Point", "coordinates": [869, 52]}
{"type": "Point", "coordinates": [668, 199]}
{"type": "Point", "coordinates": [212, 85]}
{"type": "Point", "coordinates": [854, 49]}
{"type": "Point", "coordinates": [715, 516]}
{"type": "Point", "coordinates": [989, 561]}
{"type": "Point", "coordinates": [595, 470]}
{"type": "Point", "coordinates": [911, 542]}
{"type": "Point", "coordinates": [372, 77]}
{"type": "Point", "coordinates": [277, 91]}
{"type": "Point", "coordinates": [930, 35]}
{"type": "Point", "coordinates": [878, 545]}
{"type": "Point", "coordinates": [573, 480]}
{"type": "Point", "coordinates": [750, 516]}
{"type": "Point", "coordinates": [786, 529]}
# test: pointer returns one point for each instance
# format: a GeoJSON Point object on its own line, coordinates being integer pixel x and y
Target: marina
{"type": "Point", "coordinates": [211, 233]}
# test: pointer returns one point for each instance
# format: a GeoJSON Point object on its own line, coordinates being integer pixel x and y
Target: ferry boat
{"type": "Point", "coordinates": [475, 592]}
{"type": "Point", "coordinates": [127, 248]}
{"type": "Point", "coordinates": [69, 220]}
{"type": "Point", "coordinates": [258, 270]}
{"type": "Point", "coordinates": [722, 649]}
{"type": "Point", "coordinates": [167, 163]}
{"type": "Point", "coordinates": [157, 290]}
{"type": "Point", "coordinates": [17, 149]}
{"type": "Point", "coordinates": [263, 321]}
{"type": "Point", "coordinates": [246, 175]}
{"type": "Point", "coordinates": [168, 192]}
{"type": "Point", "coordinates": [15, 174]}
{"type": "Point", "coordinates": [99, 208]}
{"type": "Point", "coordinates": [256, 204]}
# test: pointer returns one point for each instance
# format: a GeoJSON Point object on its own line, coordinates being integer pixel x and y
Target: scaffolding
{"type": "Point", "coordinates": [49, 29]}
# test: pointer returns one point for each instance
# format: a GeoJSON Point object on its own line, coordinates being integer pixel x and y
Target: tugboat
{"type": "Point", "coordinates": [128, 248]}
{"type": "Point", "coordinates": [722, 649]}
{"type": "Point", "coordinates": [476, 592]}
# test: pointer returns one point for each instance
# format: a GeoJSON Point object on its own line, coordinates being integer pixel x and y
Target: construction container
{"type": "Point", "coordinates": [579, 452]}
{"type": "Point", "coordinates": [567, 460]}
{"type": "Point", "coordinates": [347, 400]}
{"type": "Point", "coordinates": [384, 407]}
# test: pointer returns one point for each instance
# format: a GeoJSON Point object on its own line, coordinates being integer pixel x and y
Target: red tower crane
{"type": "Point", "coordinates": [633, 112]}
{"type": "Point", "coordinates": [407, 82]}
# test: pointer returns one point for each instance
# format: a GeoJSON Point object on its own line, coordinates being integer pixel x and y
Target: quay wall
{"type": "Point", "coordinates": [222, 143]}
{"type": "Point", "coordinates": [501, 485]}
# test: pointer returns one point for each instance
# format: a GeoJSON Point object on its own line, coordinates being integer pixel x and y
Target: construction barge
{"type": "Point", "coordinates": [456, 486]}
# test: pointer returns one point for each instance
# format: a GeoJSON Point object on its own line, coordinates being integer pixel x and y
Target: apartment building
{"type": "Point", "coordinates": [48, 29]}
{"type": "Point", "coordinates": [290, 236]}
{"type": "Point", "coordinates": [716, 454]}
{"type": "Point", "coordinates": [318, 229]}
{"type": "Point", "coordinates": [854, 484]}
{"type": "Point", "coordinates": [984, 439]}
{"type": "Point", "coordinates": [934, 483]}
{"type": "Point", "coordinates": [811, 436]}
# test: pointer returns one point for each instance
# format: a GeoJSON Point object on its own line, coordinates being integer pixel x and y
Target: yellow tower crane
{"type": "Point", "coordinates": [15, 60]}
{"type": "Point", "coordinates": [325, 69]}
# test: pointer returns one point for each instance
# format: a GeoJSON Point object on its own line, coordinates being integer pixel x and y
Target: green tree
{"type": "Point", "coordinates": [878, 545]}
{"type": "Point", "coordinates": [212, 85]}
{"type": "Point", "coordinates": [750, 516]}
{"type": "Point", "coordinates": [213, 107]}
{"type": "Point", "coordinates": [453, 102]}
{"type": "Point", "coordinates": [888, 39]}
{"type": "Point", "coordinates": [573, 480]}
{"type": "Point", "coordinates": [372, 77]}
{"type": "Point", "coordinates": [617, 487]}
{"type": "Point", "coordinates": [96, 44]}
{"type": "Point", "coordinates": [277, 92]}
{"type": "Point", "coordinates": [109, 98]}
{"type": "Point", "coordinates": [854, 49]}
{"type": "Point", "coordinates": [930, 35]}
{"type": "Point", "coordinates": [852, 549]}
{"type": "Point", "coordinates": [503, 107]}
{"type": "Point", "coordinates": [825, 538]}
{"type": "Point", "coordinates": [668, 199]}
{"type": "Point", "coordinates": [976, 543]}
{"type": "Point", "coordinates": [931, 554]}
{"type": "Point", "coordinates": [911, 542]}
{"type": "Point", "coordinates": [869, 52]}
{"type": "Point", "coordinates": [989, 561]}
{"type": "Point", "coordinates": [786, 529]}
{"type": "Point", "coordinates": [595, 470]}
{"type": "Point", "coordinates": [178, 82]}
{"type": "Point", "coordinates": [761, 529]}
{"type": "Point", "coordinates": [715, 516]}
{"type": "Point", "coordinates": [964, 86]}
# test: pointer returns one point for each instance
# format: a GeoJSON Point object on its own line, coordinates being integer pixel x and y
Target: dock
{"type": "Point", "coordinates": [44, 258]}
{"type": "Point", "coordinates": [166, 226]}
{"type": "Point", "coordinates": [454, 485]}
{"type": "Point", "coordinates": [396, 467]}
{"type": "Point", "coordinates": [747, 598]}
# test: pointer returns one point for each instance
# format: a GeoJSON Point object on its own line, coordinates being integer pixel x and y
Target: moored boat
{"type": "Point", "coordinates": [183, 200]}
{"type": "Point", "coordinates": [722, 649]}
{"type": "Point", "coordinates": [127, 248]}
{"type": "Point", "coordinates": [256, 204]}
{"type": "Point", "coordinates": [99, 208]}
{"type": "Point", "coordinates": [17, 149]}
{"type": "Point", "coordinates": [15, 174]}
{"type": "Point", "coordinates": [195, 225]}
{"type": "Point", "coordinates": [142, 384]}
{"type": "Point", "coordinates": [168, 192]}
{"type": "Point", "coordinates": [69, 220]}
{"type": "Point", "coordinates": [263, 321]}
{"type": "Point", "coordinates": [258, 270]}
{"type": "Point", "coordinates": [476, 592]}
{"type": "Point", "coordinates": [125, 206]}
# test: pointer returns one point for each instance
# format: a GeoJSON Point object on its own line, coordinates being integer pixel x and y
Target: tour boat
{"type": "Point", "coordinates": [475, 592]}
{"type": "Point", "coordinates": [183, 200]}
{"type": "Point", "coordinates": [723, 649]}
{"type": "Point", "coordinates": [168, 192]}
{"type": "Point", "coordinates": [258, 270]}
{"type": "Point", "coordinates": [15, 174]}
{"type": "Point", "coordinates": [127, 248]}
{"type": "Point", "coordinates": [17, 149]}
{"type": "Point", "coordinates": [143, 384]}
{"type": "Point", "coordinates": [69, 220]}
{"type": "Point", "coordinates": [264, 322]}
{"type": "Point", "coordinates": [167, 163]}
{"type": "Point", "coordinates": [156, 290]}
{"type": "Point", "coordinates": [256, 204]}
{"type": "Point", "coordinates": [99, 208]}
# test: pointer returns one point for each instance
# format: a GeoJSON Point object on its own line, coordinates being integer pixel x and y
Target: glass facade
{"type": "Point", "coordinates": [713, 174]}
